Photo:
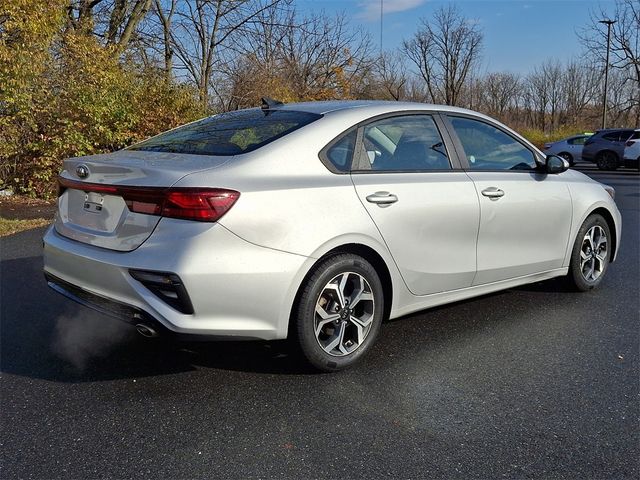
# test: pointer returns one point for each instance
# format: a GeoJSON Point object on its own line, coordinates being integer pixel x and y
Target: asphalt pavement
{"type": "Point", "coordinates": [533, 382]}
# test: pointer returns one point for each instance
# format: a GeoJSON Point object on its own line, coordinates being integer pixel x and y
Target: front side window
{"type": "Point", "coordinates": [488, 148]}
{"type": "Point", "coordinates": [404, 143]}
{"type": "Point", "coordinates": [230, 133]}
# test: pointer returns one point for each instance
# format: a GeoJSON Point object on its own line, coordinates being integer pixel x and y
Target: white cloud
{"type": "Point", "coordinates": [370, 10]}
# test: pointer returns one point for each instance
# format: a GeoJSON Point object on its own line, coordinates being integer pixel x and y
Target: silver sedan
{"type": "Point", "coordinates": [569, 148]}
{"type": "Point", "coordinates": [316, 221]}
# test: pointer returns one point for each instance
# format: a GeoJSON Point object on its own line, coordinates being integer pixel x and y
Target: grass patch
{"type": "Point", "coordinates": [9, 227]}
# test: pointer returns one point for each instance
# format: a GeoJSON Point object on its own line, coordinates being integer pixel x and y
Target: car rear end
{"type": "Point", "coordinates": [632, 151]}
{"type": "Point", "coordinates": [130, 241]}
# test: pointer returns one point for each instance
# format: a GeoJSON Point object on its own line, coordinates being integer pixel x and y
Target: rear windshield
{"type": "Point", "coordinates": [230, 133]}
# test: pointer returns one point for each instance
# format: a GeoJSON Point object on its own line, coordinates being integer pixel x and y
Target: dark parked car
{"type": "Point", "coordinates": [606, 147]}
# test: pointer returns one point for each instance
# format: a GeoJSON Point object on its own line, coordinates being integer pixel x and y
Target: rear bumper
{"type": "Point", "coordinates": [104, 305]}
{"type": "Point", "coordinates": [238, 290]}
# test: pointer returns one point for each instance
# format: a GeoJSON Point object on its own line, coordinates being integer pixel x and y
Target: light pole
{"type": "Point", "coordinates": [608, 23]}
{"type": "Point", "coordinates": [381, 14]}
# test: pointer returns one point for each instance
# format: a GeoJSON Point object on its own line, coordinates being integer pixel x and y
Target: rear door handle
{"type": "Point", "coordinates": [383, 199]}
{"type": "Point", "coordinates": [493, 192]}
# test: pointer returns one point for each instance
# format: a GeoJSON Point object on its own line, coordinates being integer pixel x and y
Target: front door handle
{"type": "Point", "coordinates": [383, 199]}
{"type": "Point", "coordinates": [493, 192]}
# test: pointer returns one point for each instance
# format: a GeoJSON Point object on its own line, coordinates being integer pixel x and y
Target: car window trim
{"type": "Point", "coordinates": [462, 156]}
{"type": "Point", "coordinates": [442, 131]}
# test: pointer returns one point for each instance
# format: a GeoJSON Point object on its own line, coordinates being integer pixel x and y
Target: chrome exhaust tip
{"type": "Point", "coordinates": [146, 330]}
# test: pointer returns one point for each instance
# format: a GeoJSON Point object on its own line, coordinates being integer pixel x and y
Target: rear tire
{"type": "Point", "coordinates": [607, 160]}
{"type": "Point", "coordinates": [339, 312]}
{"type": "Point", "coordinates": [591, 253]}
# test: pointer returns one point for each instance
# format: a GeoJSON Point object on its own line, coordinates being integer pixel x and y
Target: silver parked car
{"type": "Point", "coordinates": [316, 221]}
{"type": "Point", "coordinates": [569, 148]}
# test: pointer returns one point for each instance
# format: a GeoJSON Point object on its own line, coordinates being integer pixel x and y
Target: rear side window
{"type": "Point", "coordinates": [341, 152]}
{"type": "Point", "coordinates": [230, 133]}
{"type": "Point", "coordinates": [577, 141]}
{"type": "Point", "coordinates": [405, 143]}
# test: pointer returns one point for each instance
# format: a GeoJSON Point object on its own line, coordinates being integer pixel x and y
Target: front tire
{"type": "Point", "coordinates": [339, 312]}
{"type": "Point", "coordinates": [591, 254]}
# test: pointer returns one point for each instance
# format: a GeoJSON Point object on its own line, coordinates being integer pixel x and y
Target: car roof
{"type": "Point", "coordinates": [326, 107]}
{"type": "Point", "coordinates": [607, 130]}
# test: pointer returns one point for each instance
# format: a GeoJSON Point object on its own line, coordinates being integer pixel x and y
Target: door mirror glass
{"type": "Point", "coordinates": [556, 164]}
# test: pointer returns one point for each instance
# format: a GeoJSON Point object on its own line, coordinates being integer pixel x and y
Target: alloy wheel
{"type": "Point", "coordinates": [593, 253]}
{"type": "Point", "coordinates": [344, 314]}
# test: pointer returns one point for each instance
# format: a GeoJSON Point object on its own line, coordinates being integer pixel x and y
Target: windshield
{"type": "Point", "coordinates": [230, 133]}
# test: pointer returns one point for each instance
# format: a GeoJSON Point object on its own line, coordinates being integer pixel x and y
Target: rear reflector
{"type": "Point", "coordinates": [201, 204]}
{"type": "Point", "coordinates": [167, 287]}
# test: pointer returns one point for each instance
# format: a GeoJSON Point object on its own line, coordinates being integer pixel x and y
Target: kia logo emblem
{"type": "Point", "coordinates": [82, 171]}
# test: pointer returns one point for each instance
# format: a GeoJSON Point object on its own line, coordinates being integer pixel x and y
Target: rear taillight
{"type": "Point", "coordinates": [201, 204]}
{"type": "Point", "coordinates": [547, 146]}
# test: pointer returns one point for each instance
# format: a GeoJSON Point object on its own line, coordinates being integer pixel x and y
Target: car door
{"type": "Point", "coordinates": [425, 207]}
{"type": "Point", "coordinates": [525, 213]}
{"type": "Point", "coordinates": [575, 145]}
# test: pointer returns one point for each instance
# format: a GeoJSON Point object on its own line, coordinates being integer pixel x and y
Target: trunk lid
{"type": "Point", "coordinates": [90, 213]}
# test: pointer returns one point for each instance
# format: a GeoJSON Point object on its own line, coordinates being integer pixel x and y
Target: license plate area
{"type": "Point", "coordinates": [93, 202]}
{"type": "Point", "coordinates": [92, 211]}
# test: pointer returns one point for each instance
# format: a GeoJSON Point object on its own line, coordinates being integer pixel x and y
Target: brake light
{"type": "Point", "coordinates": [201, 204]}
{"type": "Point", "coordinates": [205, 205]}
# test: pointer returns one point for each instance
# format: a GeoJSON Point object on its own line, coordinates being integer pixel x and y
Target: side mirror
{"type": "Point", "coordinates": [555, 164]}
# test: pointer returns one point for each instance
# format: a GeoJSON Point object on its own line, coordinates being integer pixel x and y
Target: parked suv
{"type": "Point", "coordinates": [606, 147]}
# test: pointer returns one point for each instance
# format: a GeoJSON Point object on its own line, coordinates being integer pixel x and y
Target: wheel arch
{"type": "Point", "coordinates": [364, 251]}
{"type": "Point", "coordinates": [606, 214]}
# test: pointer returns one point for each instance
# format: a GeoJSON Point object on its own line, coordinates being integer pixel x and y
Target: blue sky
{"type": "Point", "coordinates": [518, 34]}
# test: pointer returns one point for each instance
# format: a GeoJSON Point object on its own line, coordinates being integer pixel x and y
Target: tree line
{"type": "Point", "coordinates": [84, 76]}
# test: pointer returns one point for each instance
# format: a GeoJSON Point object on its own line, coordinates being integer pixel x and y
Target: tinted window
{"type": "Point", "coordinates": [340, 153]}
{"type": "Point", "coordinates": [228, 133]}
{"type": "Point", "coordinates": [635, 136]}
{"type": "Point", "coordinates": [488, 148]}
{"type": "Point", "coordinates": [410, 142]}
{"type": "Point", "coordinates": [612, 137]}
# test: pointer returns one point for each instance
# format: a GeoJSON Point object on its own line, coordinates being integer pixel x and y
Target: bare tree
{"type": "Point", "coordinates": [625, 44]}
{"type": "Point", "coordinates": [445, 51]}
{"type": "Point", "coordinates": [203, 27]}
{"type": "Point", "coordinates": [498, 93]}
{"type": "Point", "coordinates": [391, 76]}
{"type": "Point", "coordinates": [165, 10]}
{"type": "Point", "coordinates": [325, 56]}
{"type": "Point", "coordinates": [580, 88]}
{"type": "Point", "coordinates": [116, 21]}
